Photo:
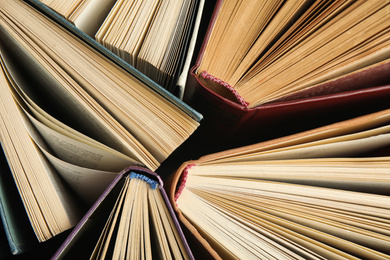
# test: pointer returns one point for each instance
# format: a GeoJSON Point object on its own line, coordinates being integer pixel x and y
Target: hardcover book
{"type": "Point", "coordinates": [131, 32]}
{"type": "Point", "coordinates": [264, 63]}
{"type": "Point", "coordinates": [319, 194]}
{"type": "Point", "coordinates": [133, 218]}
{"type": "Point", "coordinates": [72, 118]}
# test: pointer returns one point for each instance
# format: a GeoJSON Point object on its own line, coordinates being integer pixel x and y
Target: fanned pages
{"type": "Point", "coordinates": [51, 209]}
{"type": "Point", "coordinates": [132, 219]}
{"type": "Point", "coordinates": [262, 51]}
{"type": "Point", "coordinates": [272, 68]}
{"type": "Point", "coordinates": [320, 194]}
{"type": "Point", "coordinates": [88, 119]}
{"type": "Point", "coordinates": [151, 35]}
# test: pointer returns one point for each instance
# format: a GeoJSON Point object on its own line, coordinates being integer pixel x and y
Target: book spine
{"type": "Point", "coordinates": [220, 82]}
{"type": "Point", "coordinates": [182, 182]}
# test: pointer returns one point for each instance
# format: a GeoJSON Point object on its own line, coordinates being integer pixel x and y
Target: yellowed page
{"type": "Point", "coordinates": [69, 144]}
{"type": "Point", "coordinates": [48, 203]}
{"type": "Point", "coordinates": [88, 184]}
{"type": "Point", "coordinates": [88, 114]}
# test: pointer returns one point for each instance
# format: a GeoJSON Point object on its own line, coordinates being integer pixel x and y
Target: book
{"type": "Point", "coordinates": [155, 37]}
{"type": "Point", "coordinates": [72, 119]}
{"type": "Point", "coordinates": [133, 218]}
{"type": "Point", "coordinates": [262, 63]}
{"type": "Point", "coordinates": [318, 194]}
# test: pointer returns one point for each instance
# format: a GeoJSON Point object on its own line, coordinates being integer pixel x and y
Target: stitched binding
{"type": "Point", "coordinates": [206, 75]}
{"type": "Point", "coordinates": [151, 182]}
{"type": "Point", "coordinates": [183, 181]}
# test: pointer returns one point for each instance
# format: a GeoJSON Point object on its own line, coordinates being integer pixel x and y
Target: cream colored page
{"type": "Point", "coordinates": [177, 247]}
{"type": "Point", "coordinates": [128, 218]}
{"type": "Point", "coordinates": [82, 112]}
{"type": "Point", "coordinates": [231, 235]}
{"type": "Point", "coordinates": [356, 202]}
{"type": "Point", "coordinates": [78, 153]}
{"type": "Point", "coordinates": [92, 16]}
{"type": "Point", "coordinates": [72, 146]}
{"type": "Point", "coordinates": [181, 82]}
{"type": "Point", "coordinates": [342, 199]}
{"type": "Point", "coordinates": [88, 184]}
{"type": "Point", "coordinates": [101, 247]}
{"type": "Point", "coordinates": [338, 130]}
{"type": "Point", "coordinates": [344, 145]}
{"type": "Point", "coordinates": [363, 174]}
{"type": "Point", "coordinates": [63, 129]}
{"type": "Point", "coordinates": [43, 193]}
{"type": "Point", "coordinates": [345, 148]}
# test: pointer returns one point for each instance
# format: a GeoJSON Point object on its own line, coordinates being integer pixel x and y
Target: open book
{"type": "Point", "coordinates": [319, 194]}
{"type": "Point", "coordinates": [157, 37]}
{"type": "Point", "coordinates": [132, 219]}
{"type": "Point", "coordinates": [263, 62]}
{"type": "Point", "coordinates": [68, 113]}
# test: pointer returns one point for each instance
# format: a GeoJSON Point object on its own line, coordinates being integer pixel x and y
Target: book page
{"type": "Point", "coordinates": [91, 15]}
{"type": "Point", "coordinates": [65, 8]}
{"type": "Point", "coordinates": [88, 183]}
{"type": "Point", "coordinates": [107, 237]}
{"type": "Point", "coordinates": [75, 111]}
{"type": "Point", "coordinates": [342, 148]}
{"type": "Point", "coordinates": [69, 144]}
{"type": "Point", "coordinates": [79, 153]}
{"type": "Point", "coordinates": [319, 213]}
{"type": "Point", "coordinates": [182, 79]}
{"type": "Point", "coordinates": [335, 136]}
{"type": "Point", "coordinates": [165, 226]}
{"type": "Point", "coordinates": [228, 235]}
{"type": "Point", "coordinates": [366, 174]}
{"type": "Point", "coordinates": [267, 50]}
{"type": "Point", "coordinates": [129, 221]}
{"type": "Point", "coordinates": [88, 167]}
{"type": "Point", "coordinates": [49, 203]}
{"type": "Point", "coordinates": [144, 118]}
